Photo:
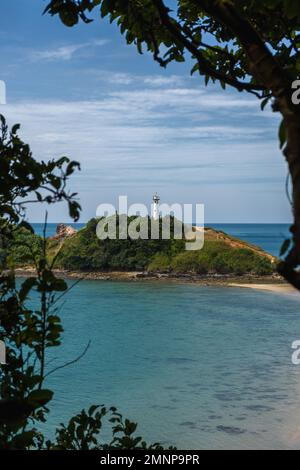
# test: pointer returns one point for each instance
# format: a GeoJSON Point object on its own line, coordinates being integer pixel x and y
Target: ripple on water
{"type": "Point", "coordinates": [259, 408]}
{"type": "Point", "coordinates": [231, 429]}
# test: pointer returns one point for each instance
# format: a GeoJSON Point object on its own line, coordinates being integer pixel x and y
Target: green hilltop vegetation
{"type": "Point", "coordinates": [84, 252]}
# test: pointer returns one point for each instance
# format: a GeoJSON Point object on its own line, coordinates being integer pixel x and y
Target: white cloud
{"type": "Point", "coordinates": [162, 80]}
{"type": "Point", "coordinates": [117, 78]}
{"type": "Point", "coordinates": [130, 122]}
{"type": "Point", "coordinates": [167, 139]}
{"type": "Point", "coordinates": [151, 81]}
{"type": "Point", "coordinates": [65, 52]}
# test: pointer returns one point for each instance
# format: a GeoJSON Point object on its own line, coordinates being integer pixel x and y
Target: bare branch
{"type": "Point", "coordinates": [70, 362]}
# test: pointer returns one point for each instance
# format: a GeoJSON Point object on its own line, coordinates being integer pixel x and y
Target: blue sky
{"type": "Point", "coordinates": [136, 128]}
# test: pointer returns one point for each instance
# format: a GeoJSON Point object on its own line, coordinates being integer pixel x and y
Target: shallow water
{"type": "Point", "coordinates": [196, 367]}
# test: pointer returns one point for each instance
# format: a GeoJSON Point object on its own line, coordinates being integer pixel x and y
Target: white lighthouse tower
{"type": "Point", "coordinates": [155, 207]}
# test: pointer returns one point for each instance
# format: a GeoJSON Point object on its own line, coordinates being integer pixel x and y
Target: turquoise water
{"type": "Point", "coordinates": [197, 367]}
{"type": "Point", "coordinates": [268, 236]}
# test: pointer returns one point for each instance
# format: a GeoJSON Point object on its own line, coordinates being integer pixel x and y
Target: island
{"type": "Point", "coordinates": [76, 254]}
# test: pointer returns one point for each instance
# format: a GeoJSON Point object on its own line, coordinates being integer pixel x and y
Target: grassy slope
{"type": "Point", "coordinates": [221, 254]}
{"type": "Point", "coordinates": [83, 251]}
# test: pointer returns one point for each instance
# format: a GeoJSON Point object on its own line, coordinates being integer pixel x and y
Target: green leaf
{"type": "Point", "coordinates": [69, 16]}
{"type": "Point", "coordinates": [71, 167]}
{"type": "Point", "coordinates": [195, 68]}
{"type": "Point", "coordinates": [285, 246]}
{"type": "Point", "coordinates": [39, 398]}
{"type": "Point", "coordinates": [92, 410]}
{"type": "Point", "coordinates": [282, 134]}
{"type": "Point", "coordinates": [264, 103]}
{"type": "Point", "coordinates": [15, 129]}
{"type": "Point", "coordinates": [26, 225]}
{"type": "Point", "coordinates": [59, 285]}
{"type": "Point", "coordinates": [39, 196]}
{"type": "Point", "coordinates": [105, 7]}
{"type": "Point", "coordinates": [26, 288]}
{"type": "Point", "coordinates": [25, 439]}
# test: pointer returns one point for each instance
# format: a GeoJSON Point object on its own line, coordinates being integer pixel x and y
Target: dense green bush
{"type": "Point", "coordinates": [191, 261]}
{"type": "Point", "coordinates": [160, 263]}
{"type": "Point", "coordinates": [85, 252]}
{"type": "Point", "coordinates": [23, 245]}
{"type": "Point", "coordinates": [219, 257]}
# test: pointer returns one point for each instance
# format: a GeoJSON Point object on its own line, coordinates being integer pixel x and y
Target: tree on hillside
{"type": "Point", "coordinates": [250, 45]}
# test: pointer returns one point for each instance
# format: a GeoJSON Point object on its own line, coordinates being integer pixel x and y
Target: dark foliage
{"type": "Point", "coordinates": [29, 328]}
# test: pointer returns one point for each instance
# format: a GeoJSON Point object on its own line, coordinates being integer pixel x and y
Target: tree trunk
{"type": "Point", "coordinates": [268, 72]}
{"type": "Point", "coordinates": [292, 153]}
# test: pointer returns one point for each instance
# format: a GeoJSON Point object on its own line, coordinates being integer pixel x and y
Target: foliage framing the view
{"type": "Point", "coordinates": [251, 45]}
{"type": "Point", "coordinates": [29, 320]}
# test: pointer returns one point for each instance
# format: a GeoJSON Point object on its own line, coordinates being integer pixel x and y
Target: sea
{"type": "Point", "coordinates": [196, 367]}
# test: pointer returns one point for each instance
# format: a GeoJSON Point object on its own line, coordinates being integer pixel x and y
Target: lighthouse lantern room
{"type": "Point", "coordinates": [155, 210]}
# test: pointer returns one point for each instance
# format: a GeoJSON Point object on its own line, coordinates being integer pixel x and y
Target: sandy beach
{"type": "Point", "coordinates": [279, 288]}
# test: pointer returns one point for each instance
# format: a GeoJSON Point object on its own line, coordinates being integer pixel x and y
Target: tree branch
{"type": "Point", "coordinates": [70, 362]}
{"type": "Point", "coordinates": [264, 65]}
{"type": "Point", "coordinates": [205, 66]}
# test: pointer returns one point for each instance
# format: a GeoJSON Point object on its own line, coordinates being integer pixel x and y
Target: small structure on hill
{"type": "Point", "coordinates": [64, 231]}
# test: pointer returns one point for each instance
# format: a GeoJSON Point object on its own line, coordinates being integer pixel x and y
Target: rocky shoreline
{"type": "Point", "coordinates": [208, 279]}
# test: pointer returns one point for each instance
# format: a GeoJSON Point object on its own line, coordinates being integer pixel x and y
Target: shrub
{"type": "Point", "coordinates": [160, 263]}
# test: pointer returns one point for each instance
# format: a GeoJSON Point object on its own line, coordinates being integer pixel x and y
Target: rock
{"type": "Point", "coordinates": [64, 231]}
{"type": "Point", "coordinates": [142, 275]}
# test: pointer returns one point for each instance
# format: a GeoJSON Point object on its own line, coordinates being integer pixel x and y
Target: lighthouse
{"type": "Point", "coordinates": [155, 207]}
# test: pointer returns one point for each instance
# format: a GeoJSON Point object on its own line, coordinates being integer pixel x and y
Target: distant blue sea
{"type": "Point", "coordinates": [51, 228]}
{"type": "Point", "coordinates": [197, 367]}
{"type": "Point", "coordinates": [267, 236]}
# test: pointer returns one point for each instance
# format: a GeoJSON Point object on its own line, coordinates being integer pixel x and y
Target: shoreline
{"type": "Point", "coordinates": [271, 283]}
{"type": "Point", "coordinates": [283, 288]}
